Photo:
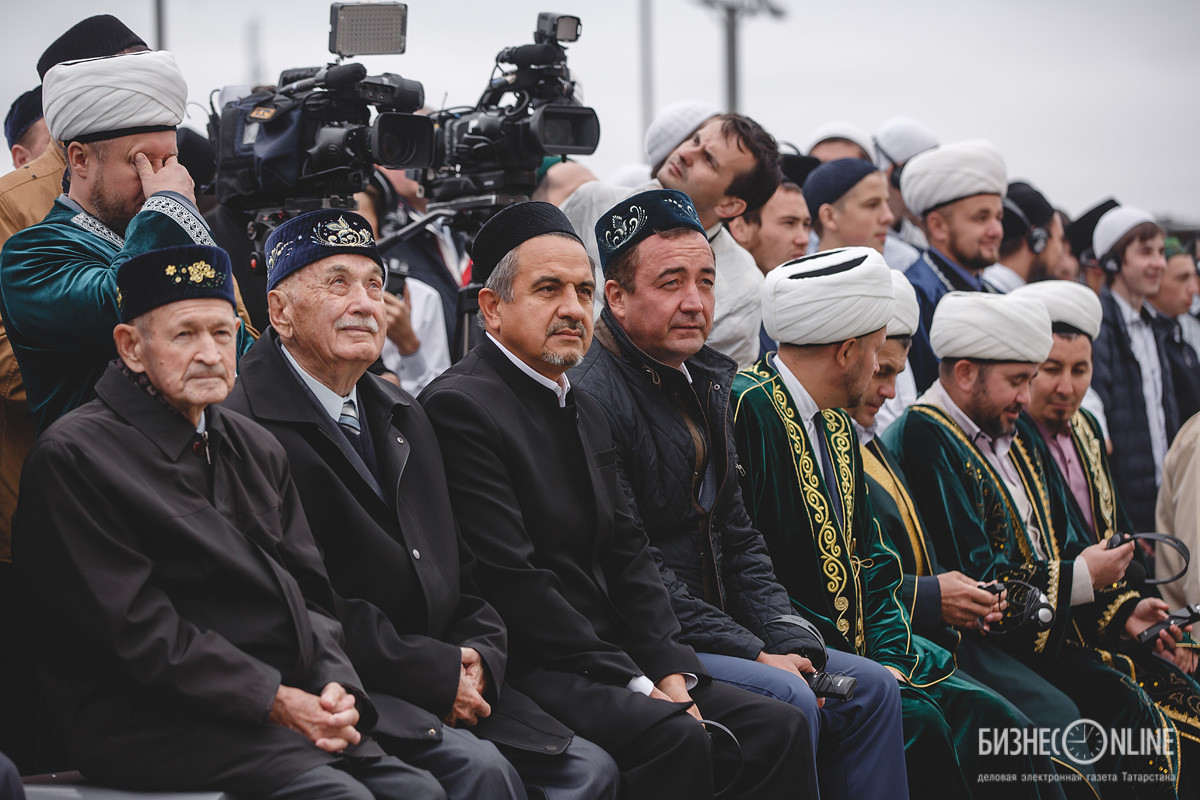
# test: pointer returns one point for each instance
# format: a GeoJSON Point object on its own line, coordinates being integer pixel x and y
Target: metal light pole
{"type": "Point", "coordinates": [646, 39]}
{"type": "Point", "coordinates": [731, 12]}
{"type": "Point", "coordinates": [160, 24]}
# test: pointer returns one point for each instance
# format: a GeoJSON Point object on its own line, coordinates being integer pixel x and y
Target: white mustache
{"type": "Point", "coordinates": [356, 321]}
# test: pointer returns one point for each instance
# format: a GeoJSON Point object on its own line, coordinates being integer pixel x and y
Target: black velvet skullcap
{"type": "Point", "coordinates": [512, 227]}
{"type": "Point", "coordinates": [796, 167]}
{"type": "Point", "coordinates": [25, 110]}
{"type": "Point", "coordinates": [159, 277]}
{"type": "Point", "coordinates": [101, 35]}
{"type": "Point", "coordinates": [1079, 232]}
{"type": "Point", "coordinates": [1033, 204]}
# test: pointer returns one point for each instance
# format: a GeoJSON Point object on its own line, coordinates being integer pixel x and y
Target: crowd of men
{"type": "Point", "coordinates": [738, 433]}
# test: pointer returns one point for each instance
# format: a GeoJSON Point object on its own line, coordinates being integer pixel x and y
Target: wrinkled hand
{"type": "Point", "coordinates": [964, 603]}
{"type": "Point", "coordinates": [1107, 566]}
{"type": "Point", "coordinates": [399, 323]}
{"type": "Point", "coordinates": [169, 175]}
{"type": "Point", "coordinates": [790, 662]}
{"type": "Point", "coordinates": [469, 705]}
{"type": "Point", "coordinates": [328, 721]}
{"type": "Point", "coordinates": [674, 688]}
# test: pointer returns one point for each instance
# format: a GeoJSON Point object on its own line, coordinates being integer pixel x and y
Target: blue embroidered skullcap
{"type": "Point", "coordinates": [25, 110]}
{"type": "Point", "coordinates": [158, 277]}
{"type": "Point", "coordinates": [318, 234]}
{"type": "Point", "coordinates": [633, 219]}
{"type": "Point", "coordinates": [828, 182]}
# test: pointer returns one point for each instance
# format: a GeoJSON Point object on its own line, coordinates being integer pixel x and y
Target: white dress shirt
{"type": "Point", "coordinates": [1145, 350]}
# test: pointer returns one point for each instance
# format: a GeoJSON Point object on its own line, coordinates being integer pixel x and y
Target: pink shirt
{"type": "Point", "coordinates": [1062, 449]}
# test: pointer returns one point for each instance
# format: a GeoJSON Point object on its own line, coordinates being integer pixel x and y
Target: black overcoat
{"type": "Point", "coordinates": [405, 598]}
{"type": "Point", "coordinates": [167, 596]}
{"type": "Point", "coordinates": [559, 555]}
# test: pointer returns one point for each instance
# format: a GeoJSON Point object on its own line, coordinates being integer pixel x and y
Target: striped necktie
{"type": "Point", "coordinates": [349, 418]}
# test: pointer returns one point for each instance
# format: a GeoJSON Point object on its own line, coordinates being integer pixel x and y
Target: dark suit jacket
{"type": "Point", "coordinates": [168, 595]}
{"type": "Point", "coordinates": [406, 600]}
{"type": "Point", "coordinates": [536, 492]}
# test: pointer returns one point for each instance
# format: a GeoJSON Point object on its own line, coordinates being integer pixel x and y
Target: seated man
{"type": "Point", "coordinates": [1178, 513]}
{"type": "Point", "coordinates": [532, 474]}
{"type": "Point", "coordinates": [162, 548]}
{"type": "Point", "coordinates": [415, 628]}
{"type": "Point", "coordinates": [667, 399]}
{"type": "Point", "coordinates": [803, 483]}
{"type": "Point", "coordinates": [128, 194]}
{"type": "Point", "coordinates": [982, 491]}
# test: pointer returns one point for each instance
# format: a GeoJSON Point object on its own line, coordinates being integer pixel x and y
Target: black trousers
{"type": "Point", "coordinates": [386, 778]}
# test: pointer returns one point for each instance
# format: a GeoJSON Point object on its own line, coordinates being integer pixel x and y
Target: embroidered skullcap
{"type": "Point", "coordinates": [101, 35]}
{"type": "Point", "coordinates": [25, 110]}
{"type": "Point", "coordinates": [951, 172]}
{"type": "Point", "coordinates": [1079, 232]}
{"type": "Point", "coordinates": [508, 230]}
{"type": "Point", "coordinates": [1073, 307]}
{"type": "Point", "coordinates": [158, 277]}
{"type": "Point", "coordinates": [635, 218]}
{"type": "Point", "coordinates": [828, 297]}
{"type": "Point", "coordinates": [907, 314]}
{"type": "Point", "coordinates": [830, 181]}
{"type": "Point", "coordinates": [899, 139]}
{"type": "Point", "coordinates": [318, 234]}
{"type": "Point", "coordinates": [1115, 224]}
{"type": "Point", "coordinates": [104, 98]}
{"type": "Point", "coordinates": [840, 129]}
{"type": "Point", "coordinates": [991, 327]}
{"type": "Point", "coordinates": [673, 125]}
{"type": "Point", "coordinates": [796, 168]}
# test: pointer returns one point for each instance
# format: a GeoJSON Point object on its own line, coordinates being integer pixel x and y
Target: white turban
{"type": "Point", "coordinates": [899, 139]}
{"type": "Point", "coordinates": [828, 297]}
{"type": "Point", "coordinates": [123, 94]}
{"type": "Point", "coordinates": [991, 327]}
{"type": "Point", "coordinates": [1113, 225]}
{"type": "Point", "coordinates": [840, 129]}
{"type": "Point", "coordinates": [1068, 303]}
{"type": "Point", "coordinates": [907, 313]}
{"type": "Point", "coordinates": [952, 172]}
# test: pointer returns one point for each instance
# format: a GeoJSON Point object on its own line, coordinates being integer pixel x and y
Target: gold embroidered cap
{"type": "Point", "coordinates": [158, 277]}
{"type": "Point", "coordinates": [316, 235]}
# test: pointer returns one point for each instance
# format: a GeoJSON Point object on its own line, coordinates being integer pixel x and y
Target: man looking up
{"type": "Point", "coordinates": [1033, 239]}
{"type": "Point", "coordinates": [957, 190]}
{"type": "Point", "coordinates": [128, 193]}
{"type": "Point", "coordinates": [1131, 374]}
{"type": "Point", "coordinates": [667, 400]}
{"type": "Point", "coordinates": [173, 580]}
{"type": "Point", "coordinates": [531, 465]}
{"type": "Point", "coordinates": [728, 166]}
{"type": "Point", "coordinates": [377, 503]}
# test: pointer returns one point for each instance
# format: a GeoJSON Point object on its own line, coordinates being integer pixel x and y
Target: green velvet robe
{"type": "Point", "coordinates": [847, 579]}
{"type": "Point", "coordinates": [974, 525]}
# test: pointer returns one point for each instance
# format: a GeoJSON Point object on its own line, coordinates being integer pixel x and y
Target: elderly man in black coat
{"type": "Point", "coordinates": [171, 577]}
{"type": "Point", "coordinates": [530, 464]}
{"type": "Point", "coordinates": [373, 486]}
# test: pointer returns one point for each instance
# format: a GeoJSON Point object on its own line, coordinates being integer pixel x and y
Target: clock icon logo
{"type": "Point", "coordinates": [1084, 741]}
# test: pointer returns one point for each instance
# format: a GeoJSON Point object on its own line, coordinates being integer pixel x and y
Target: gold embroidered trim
{"type": "Point", "coordinates": [1107, 617]}
{"type": "Point", "coordinates": [1100, 488]}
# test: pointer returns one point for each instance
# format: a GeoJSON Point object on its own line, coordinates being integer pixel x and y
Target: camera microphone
{"type": "Point", "coordinates": [530, 55]}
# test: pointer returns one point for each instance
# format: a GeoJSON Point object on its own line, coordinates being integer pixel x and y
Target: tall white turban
{"type": "Point", "coordinates": [952, 172]}
{"type": "Point", "coordinates": [991, 327]}
{"type": "Point", "coordinates": [828, 297]}
{"type": "Point", "coordinates": [103, 98]}
{"type": "Point", "coordinates": [1068, 303]}
{"type": "Point", "coordinates": [907, 313]}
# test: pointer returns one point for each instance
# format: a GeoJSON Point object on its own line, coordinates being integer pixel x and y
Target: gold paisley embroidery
{"type": "Point", "coordinates": [1100, 488]}
{"type": "Point", "coordinates": [1107, 617]}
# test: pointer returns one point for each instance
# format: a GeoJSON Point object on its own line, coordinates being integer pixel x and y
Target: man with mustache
{"type": "Point", "coordinates": [532, 470]}
{"type": "Point", "coordinates": [372, 482]}
{"type": "Point", "coordinates": [172, 580]}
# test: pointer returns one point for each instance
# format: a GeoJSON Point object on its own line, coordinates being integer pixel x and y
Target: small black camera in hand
{"type": "Point", "coordinates": [838, 687]}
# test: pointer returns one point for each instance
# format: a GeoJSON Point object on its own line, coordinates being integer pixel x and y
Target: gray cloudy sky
{"type": "Point", "coordinates": [1086, 98]}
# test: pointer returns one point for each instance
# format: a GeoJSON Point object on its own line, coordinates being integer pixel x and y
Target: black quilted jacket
{"type": "Point", "coordinates": [715, 565]}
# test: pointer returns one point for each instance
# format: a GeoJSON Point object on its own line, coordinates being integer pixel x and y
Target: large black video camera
{"type": "Point", "coordinates": [310, 142]}
{"type": "Point", "coordinates": [488, 156]}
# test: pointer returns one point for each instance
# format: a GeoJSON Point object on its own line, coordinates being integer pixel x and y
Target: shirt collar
{"type": "Point", "coordinates": [800, 396]}
{"type": "Point", "coordinates": [1063, 439]}
{"type": "Point", "coordinates": [1128, 313]}
{"type": "Point", "coordinates": [974, 281]}
{"type": "Point", "coordinates": [865, 435]}
{"type": "Point", "coordinates": [328, 398]}
{"type": "Point", "coordinates": [938, 396]}
{"type": "Point", "coordinates": [560, 388]}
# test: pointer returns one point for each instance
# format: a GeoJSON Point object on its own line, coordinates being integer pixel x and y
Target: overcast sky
{"type": "Point", "coordinates": [1085, 98]}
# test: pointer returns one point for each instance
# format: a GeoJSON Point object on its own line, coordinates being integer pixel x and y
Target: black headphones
{"type": "Point", "coordinates": [1110, 263]}
{"type": "Point", "coordinates": [1027, 605]}
{"type": "Point", "coordinates": [1036, 236]}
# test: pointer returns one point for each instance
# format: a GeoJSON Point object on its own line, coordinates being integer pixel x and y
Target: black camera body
{"type": "Point", "coordinates": [312, 138]}
{"type": "Point", "coordinates": [496, 148]}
